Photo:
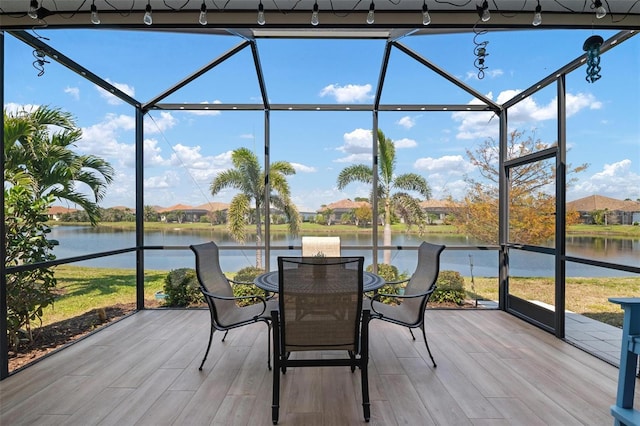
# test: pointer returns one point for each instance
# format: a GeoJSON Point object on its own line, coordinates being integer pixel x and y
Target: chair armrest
{"type": "Point", "coordinates": [397, 282]}
{"type": "Point", "coordinates": [216, 296]}
{"type": "Point", "coordinates": [267, 295]}
{"type": "Point", "coordinates": [251, 296]}
{"type": "Point", "coordinates": [400, 296]}
{"type": "Point", "coordinates": [239, 282]}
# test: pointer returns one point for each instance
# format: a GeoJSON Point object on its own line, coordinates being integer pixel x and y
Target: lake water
{"type": "Point", "coordinates": [82, 240]}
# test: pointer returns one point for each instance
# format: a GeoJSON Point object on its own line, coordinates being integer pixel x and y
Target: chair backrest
{"type": "Point", "coordinates": [320, 301]}
{"type": "Point", "coordinates": [212, 279]}
{"type": "Point", "coordinates": [426, 274]}
{"type": "Point", "coordinates": [326, 246]}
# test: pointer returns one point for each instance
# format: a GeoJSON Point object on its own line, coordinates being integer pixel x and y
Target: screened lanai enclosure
{"type": "Point", "coordinates": [525, 102]}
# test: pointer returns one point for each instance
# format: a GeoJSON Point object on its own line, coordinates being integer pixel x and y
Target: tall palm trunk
{"type": "Point", "coordinates": [387, 231]}
{"type": "Point", "coordinates": [258, 239]}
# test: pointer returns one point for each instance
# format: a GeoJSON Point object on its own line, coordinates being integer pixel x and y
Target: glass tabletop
{"type": "Point", "coordinates": [269, 281]}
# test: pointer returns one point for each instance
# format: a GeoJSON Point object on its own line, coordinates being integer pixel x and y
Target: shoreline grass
{"type": "Point", "coordinates": [573, 230]}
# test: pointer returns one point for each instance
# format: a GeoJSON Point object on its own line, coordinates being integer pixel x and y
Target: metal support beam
{"type": "Point", "coordinates": [267, 191]}
{"type": "Point", "coordinates": [503, 215]}
{"type": "Point", "coordinates": [383, 74]}
{"type": "Point", "coordinates": [151, 104]}
{"type": "Point", "coordinates": [571, 66]}
{"type": "Point", "coordinates": [260, 75]}
{"type": "Point", "coordinates": [561, 216]}
{"type": "Point", "coordinates": [55, 55]}
{"type": "Point", "coordinates": [374, 202]}
{"type": "Point", "coordinates": [139, 208]}
{"type": "Point", "coordinates": [4, 342]}
{"type": "Point", "coordinates": [442, 73]}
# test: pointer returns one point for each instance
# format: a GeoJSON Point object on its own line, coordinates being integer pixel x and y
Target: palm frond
{"type": "Point", "coordinates": [355, 173]}
{"type": "Point", "coordinates": [239, 211]}
{"type": "Point", "coordinates": [413, 182]}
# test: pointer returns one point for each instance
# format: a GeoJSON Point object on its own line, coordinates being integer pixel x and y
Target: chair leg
{"type": "Point", "coordinates": [208, 347]}
{"type": "Point", "coordinates": [269, 345]}
{"type": "Point", "coordinates": [275, 406]}
{"type": "Point", "coordinates": [414, 337]}
{"type": "Point", "coordinates": [277, 365]}
{"type": "Point", "coordinates": [225, 335]}
{"type": "Point", "coordinates": [427, 345]}
{"type": "Point", "coordinates": [364, 378]}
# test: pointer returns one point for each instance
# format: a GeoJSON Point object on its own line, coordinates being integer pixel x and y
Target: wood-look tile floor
{"type": "Point", "coordinates": [493, 369]}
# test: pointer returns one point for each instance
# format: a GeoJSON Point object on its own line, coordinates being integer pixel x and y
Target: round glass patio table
{"type": "Point", "coordinates": [269, 281]}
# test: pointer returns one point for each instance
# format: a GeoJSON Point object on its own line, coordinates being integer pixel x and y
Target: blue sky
{"type": "Point", "coordinates": [184, 151]}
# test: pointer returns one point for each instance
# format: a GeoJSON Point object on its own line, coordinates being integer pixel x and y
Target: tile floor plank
{"type": "Point", "coordinates": [493, 369]}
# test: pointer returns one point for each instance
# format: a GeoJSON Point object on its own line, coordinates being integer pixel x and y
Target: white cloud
{"type": "Point", "coordinates": [110, 98]}
{"type": "Point", "coordinates": [358, 146]}
{"type": "Point", "coordinates": [579, 101]}
{"type": "Point", "coordinates": [160, 182]}
{"type": "Point", "coordinates": [448, 164]}
{"type": "Point", "coordinates": [152, 154]}
{"type": "Point", "coordinates": [479, 125]}
{"type": "Point", "coordinates": [103, 139]}
{"type": "Point", "coordinates": [301, 168]}
{"type": "Point", "coordinates": [357, 142]}
{"type": "Point", "coordinates": [405, 143]}
{"type": "Point", "coordinates": [351, 93]}
{"type": "Point", "coordinates": [355, 158]}
{"type": "Point", "coordinates": [200, 168]}
{"type": "Point", "coordinates": [159, 124]}
{"type": "Point", "coordinates": [73, 91]}
{"type": "Point", "coordinates": [188, 155]}
{"type": "Point", "coordinates": [618, 180]}
{"type": "Point", "coordinates": [406, 122]}
{"type": "Point", "coordinates": [476, 125]}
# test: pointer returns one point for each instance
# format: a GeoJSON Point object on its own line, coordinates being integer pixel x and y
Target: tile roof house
{"type": "Point", "coordinates": [341, 207]}
{"type": "Point", "coordinates": [439, 208]}
{"type": "Point", "coordinates": [192, 213]}
{"type": "Point", "coordinates": [623, 212]}
{"type": "Point", "coordinates": [55, 212]}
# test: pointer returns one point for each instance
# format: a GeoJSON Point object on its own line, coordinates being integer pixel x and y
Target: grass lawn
{"type": "Point", "coordinates": [585, 296]}
{"type": "Point", "coordinates": [82, 289]}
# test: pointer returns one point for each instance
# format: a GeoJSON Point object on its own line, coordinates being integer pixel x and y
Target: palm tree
{"type": "Point", "coordinates": [43, 160]}
{"type": "Point", "coordinates": [401, 203]}
{"type": "Point", "coordinates": [248, 177]}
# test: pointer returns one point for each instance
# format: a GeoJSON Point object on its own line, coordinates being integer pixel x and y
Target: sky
{"type": "Point", "coordinates": [184, 151]}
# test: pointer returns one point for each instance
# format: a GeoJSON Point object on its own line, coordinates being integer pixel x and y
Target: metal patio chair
{"type": "Point", "coordinates": [320, 309]}
{"type": "Point", "coordinates": [217, 291]}
{"type": "Point", "coordinates": [409, 311]}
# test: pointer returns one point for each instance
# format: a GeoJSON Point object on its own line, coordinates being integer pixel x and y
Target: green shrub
{"type": "Point", "coordinates": [182, 288]}
{"type": "Point", "coordinates": [27, 292]}
{"type": "Point", "coordinates": [389, 273]}
{"type": "Point", "coordinates": [450, 288]}
{"type": "Point", "coordinates": [247, 275]}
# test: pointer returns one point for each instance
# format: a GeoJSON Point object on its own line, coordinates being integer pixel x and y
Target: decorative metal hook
{"type": "Point", "coordinates": [480, 51]}
{"type": "Point", "coordinates": [40, 61]}
{"type": "Point", "coordinates": [592, 47]}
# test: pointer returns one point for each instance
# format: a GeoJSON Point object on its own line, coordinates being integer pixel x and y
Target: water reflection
{"type": "Point", "coordinates": [81, 240]}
